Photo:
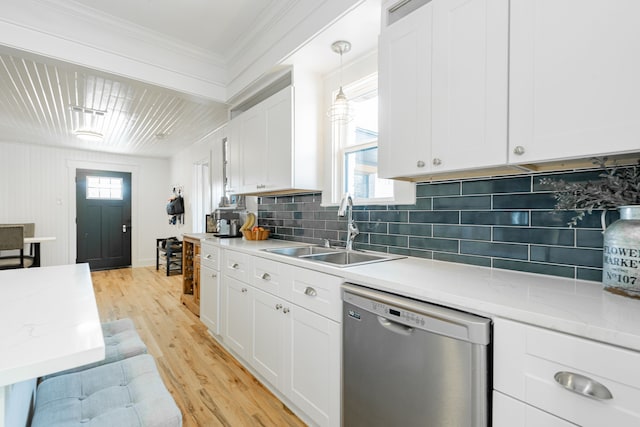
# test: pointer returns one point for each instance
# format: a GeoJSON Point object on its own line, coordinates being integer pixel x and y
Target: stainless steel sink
{"type": "Point", "coordinates": [338, 257]}
{"type": "Point", "coordinates": [298, 251]}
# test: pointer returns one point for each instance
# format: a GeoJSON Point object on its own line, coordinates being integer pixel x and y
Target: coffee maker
{"type": "Point", "coordinates": [227, 223]}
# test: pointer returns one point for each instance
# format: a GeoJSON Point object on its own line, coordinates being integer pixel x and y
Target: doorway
{"type": "Point", "coordinates": [103, 218]}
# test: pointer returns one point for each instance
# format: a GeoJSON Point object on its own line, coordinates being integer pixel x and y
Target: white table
{"type": "Point", "coordinates": [35, 241]}
{"type": "Point", "coordinates": [49, 322]}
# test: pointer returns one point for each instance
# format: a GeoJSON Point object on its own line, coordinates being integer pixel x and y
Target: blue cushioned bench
{"type": "Point", "coordinates": [125, 389]}
{"type": "Point", "coordinates": [121, 340]}
{"type": "Point", "coordinates": [128, 393]}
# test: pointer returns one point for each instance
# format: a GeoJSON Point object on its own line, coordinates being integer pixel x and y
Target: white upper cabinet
{"type": "Point", "coordinates": [275, 143]}
{"type": "Point", "coordinates": [574, 79]}
{"type": "Point", "coordinates": [443, 86]}
{"type": "Point", "coordinates": [470, 90]}
{"type": "Point", "coordinates": [404, 90]}
{"type": "Point", "coordinates": [265, 135]}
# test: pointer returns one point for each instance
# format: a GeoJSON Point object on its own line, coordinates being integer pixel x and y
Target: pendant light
{"type": "Point", "coordinates": [341, 110]}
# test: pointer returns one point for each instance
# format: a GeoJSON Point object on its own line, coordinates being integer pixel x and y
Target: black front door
{"type": "Point", "coordinates": [103, 218]}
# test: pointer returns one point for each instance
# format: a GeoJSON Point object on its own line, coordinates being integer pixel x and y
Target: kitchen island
{"type": "Point", "coordinates": [49, 322]}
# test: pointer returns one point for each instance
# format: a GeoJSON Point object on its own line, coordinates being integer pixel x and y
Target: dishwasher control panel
{"type": "Point", "coordinates": [416, 314]}
{"type": "Point", "coordinates": [386, 310]}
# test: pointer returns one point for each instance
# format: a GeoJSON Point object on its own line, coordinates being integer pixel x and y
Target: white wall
{"type": "Point", "coordinates": [36, 184]}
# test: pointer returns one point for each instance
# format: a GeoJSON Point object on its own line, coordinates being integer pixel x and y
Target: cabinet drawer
{"type": "Point", "coordinates": [272, 276]}
{"type": "Point", "coordinates": [509, 412]}
{"type": "Point", "coordinates": [317, 292]}
{"type": "Point", "coordinates": [236, 265]}
{"type": "Point", "coordinates": [527, 359]}
{"type": "Point", "coordinates": [210, 256]}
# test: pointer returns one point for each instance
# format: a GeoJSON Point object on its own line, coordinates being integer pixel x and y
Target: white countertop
{"type": "Point", "coordinates": [576, 307]}
{"type": "Point", "coordinates": [49, 321]}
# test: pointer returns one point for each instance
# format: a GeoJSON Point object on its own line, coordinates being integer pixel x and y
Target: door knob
{"type": "Point", "coordinates": [519, 150]}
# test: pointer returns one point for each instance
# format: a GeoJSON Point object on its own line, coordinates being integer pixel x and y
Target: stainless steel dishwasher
{"type": "Point", "coordinates": [410, 363]}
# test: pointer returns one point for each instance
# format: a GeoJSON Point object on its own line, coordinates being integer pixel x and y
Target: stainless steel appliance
{"type": "Point", "coordinates": [410, 363]}
{"type": "Point", "coordinates": [227, 223]}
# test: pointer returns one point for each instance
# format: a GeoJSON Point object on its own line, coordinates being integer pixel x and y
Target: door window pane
{"type": "Point", "coordinates": [104, 188]}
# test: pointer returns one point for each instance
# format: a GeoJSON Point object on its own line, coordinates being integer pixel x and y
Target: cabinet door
{"type": "Point", "coordinates": [404, 88]}
{"type": "Point", "coordinates": [313, 360]}
{"type": "Point", "coordinates": [278, 159]}
{"type": "Point", "coordinates": [253, 148]}
{"type": "Point", "coordinates": [210, 299]}
{"type": "Point", "coordinates": [470, 78]}
{"type": "Point", "coordinates": [574, 86]}
{"type": "Point", "coordinates": [237, 312]}
{"type": "Point", "coordinates": [234, 156]}
{"type": "Point", "coordinates": [268, 336]}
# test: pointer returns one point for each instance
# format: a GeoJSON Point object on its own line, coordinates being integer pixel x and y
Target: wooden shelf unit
{"type": "Point", "coordinates": [191, 274]}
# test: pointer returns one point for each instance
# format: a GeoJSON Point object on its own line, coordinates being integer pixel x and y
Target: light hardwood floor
{"type": "Point", "coordinates": [208, 384]}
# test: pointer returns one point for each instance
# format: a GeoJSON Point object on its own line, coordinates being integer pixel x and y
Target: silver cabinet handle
{"type": "Point", "coordinates": [265, 276]}
{"type": "Point", "coordinates": [208, 256]}
{"type": "Point", "coordinates": [285, 310]}
{"type": "Point", "coordinates": [437, 162]}
{"type": "Point", "coordinates": [278, 306]}
{"type": "Point", "coordinates": [310, 291]}
{"type": "Point", "coordinates": [259, 186]}
{"type": "Point", "coordinates": [518, 150]}
{"type": "Point", "coordinates": [243, 290]}
{"type": "Point", "coordinates": [235, 266]}
{"type": "Point", "coordinates": [214, 275]}
{"type": "Point", "coordinates": [420, 164]}
{"type": "Point", "coordinates": [582, 385]}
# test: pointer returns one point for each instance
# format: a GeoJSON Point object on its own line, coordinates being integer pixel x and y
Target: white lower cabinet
{"type": "Point", "coordinates": [294, 349]}
{"type": "Point", "coordinates": [268, 336]}
{"type": "Point", "coordinates": [237, 311]}
{"type": "Point", "coordinates": [210, 299]}
{"type": "Point", "coordinates": [584, 382]}
{"type": "Point", "coordinates": [313, 360]}
{"type": "Point", "coordinates": [210, 287]}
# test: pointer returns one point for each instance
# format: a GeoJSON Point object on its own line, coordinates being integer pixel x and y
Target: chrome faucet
{"type": "Point", "coordinates": [352, 229]}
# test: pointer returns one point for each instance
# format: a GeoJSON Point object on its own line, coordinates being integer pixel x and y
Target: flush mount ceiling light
{"type": "Point", "coordinates": [341, 110]}
{"type": "Point", "coordinates": [89, 135]}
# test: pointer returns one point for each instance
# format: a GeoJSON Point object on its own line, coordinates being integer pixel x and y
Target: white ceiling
{"type": "Point", "coordinates": [218, 26]}
{"type": "Point", "coordinates": [37, 94]}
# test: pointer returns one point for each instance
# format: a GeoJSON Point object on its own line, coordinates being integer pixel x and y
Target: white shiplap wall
{"type": "Point", "coordinates": [36, 186]}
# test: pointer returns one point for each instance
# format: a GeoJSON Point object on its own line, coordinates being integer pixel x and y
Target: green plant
{"type": "Point", "coordinates": [616, 187]}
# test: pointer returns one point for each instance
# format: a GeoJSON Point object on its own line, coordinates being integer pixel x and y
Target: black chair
{"type": "Point", "coordinates": [12, 239]}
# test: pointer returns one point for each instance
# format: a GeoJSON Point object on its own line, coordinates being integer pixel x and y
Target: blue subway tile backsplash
{"type": "Point", "coordinates": [506, 222]}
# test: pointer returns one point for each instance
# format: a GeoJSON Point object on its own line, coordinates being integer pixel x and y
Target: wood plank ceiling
{"type": "Point", "coordinates": [45, 102]}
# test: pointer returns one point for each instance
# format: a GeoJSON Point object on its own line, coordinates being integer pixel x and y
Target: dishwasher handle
{"type": "Point", "coordinates": [394, 327]}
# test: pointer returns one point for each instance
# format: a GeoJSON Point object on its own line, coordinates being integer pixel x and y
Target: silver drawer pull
{"type": "Point", "coordinates": [582, 385]}
{"type": "Point", "coordinates": [208, 256]}
{"type": "Point", "coordinates": [235, 266]}
{"type": "Point", "coordinates": [265, 276]}
{"type": "Point", "coordinates": [310, 291]}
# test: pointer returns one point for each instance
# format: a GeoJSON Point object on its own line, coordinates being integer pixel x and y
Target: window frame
{"type": "Point", "coordinates": [355, 76]}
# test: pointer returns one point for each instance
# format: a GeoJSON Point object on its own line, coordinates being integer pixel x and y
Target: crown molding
{"type": "Point", "coordinates": [293, 27]}
{"type": "Point", "coordinates": [65, 32]}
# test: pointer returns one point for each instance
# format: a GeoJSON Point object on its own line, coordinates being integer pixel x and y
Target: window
{"type": "Point", "coordinates": [355, 150]}
{"type": "Point", "coordinates": [104, 188]}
